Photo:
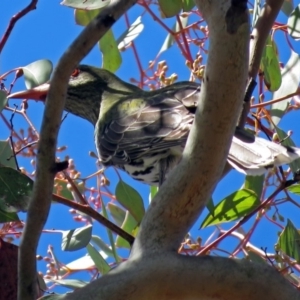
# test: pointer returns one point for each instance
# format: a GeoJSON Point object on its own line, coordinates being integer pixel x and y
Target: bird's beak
{"type": "Point", "coordinates": [38, 93]}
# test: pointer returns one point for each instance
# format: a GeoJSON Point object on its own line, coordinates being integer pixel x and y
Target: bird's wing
{"type": "Point", "coordinates": [255, 158]}
{"type": "Point", "coordinates": [147, 126]}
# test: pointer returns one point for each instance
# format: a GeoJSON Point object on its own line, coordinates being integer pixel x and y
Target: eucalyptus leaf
{"type": "Point", "coordinates": [7, 155]}
{"type": "Point", "coordinates": [187, 5]}
{"type": "Point", "coordinates": [170, 8]}
{"type": "Point", "coordinates": [295, 189]}
{"type": "Point", "coordinates": [70, 283]}
{"type": "Point", "coordinates": [131, 33]}
{"type": "Point", "coordinates": [15, 190]}
{"type": "Point", "coordinates": [102, 245]}
{"type": "Point", "coordinates": [287, 141]}
{"type": "Point", "coordinates": [99, 261]}
{"type": "Point", "coordinates": [117, 213]}
{"type": "Point", "coordinates": [290, 81]}
{"type": "Point", "coordinates": [111, 57]}
{"type": "Point", "coordinates": [255, 184]}
{"type": "Point", "coordinates": [169, 40]}
{"type": "Point", "coordinates": [3, 100]}
{"type": "Point", "coordinates": [294, 23]}
{"type": "Point", "coordinates": [232, 207]}
{"type": "Point", "coordinates": [287, 7]}
{"type": "Point", "coordinates": [270, 66]}
{"type": "Point", "coordinates": [76, 239]}
{"type": "Point", "coordinates": [289, 241]}
{"type": "Point", "coordinates": [37, 73]}
{"type": "Point", "coordinates": [129, 198]}
{"type": "Point", "coordinates": [130, 225]}
{"type": "Point", "coordinates": [86, 4]}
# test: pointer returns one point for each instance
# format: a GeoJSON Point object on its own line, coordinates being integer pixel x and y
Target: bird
{"type": "Point", "coordinates": [144, 132]}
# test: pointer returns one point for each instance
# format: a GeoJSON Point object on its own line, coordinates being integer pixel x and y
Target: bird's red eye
{"type": "Point", "coordinates": [75, 72]}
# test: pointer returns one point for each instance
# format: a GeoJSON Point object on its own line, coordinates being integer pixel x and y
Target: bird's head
{"type": "Point", "coordinates": [87, 87]}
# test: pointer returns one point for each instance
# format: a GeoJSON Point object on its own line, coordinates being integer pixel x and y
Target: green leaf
{"type": "Point", "coordinates": [170, 8]}
{"type": "Point", "coordinates": [256, 11]}
{"type": "Point", "coordinates": [83, 263]}
{"type": "Point", "coordinates": [53, 297]}
{"type": "Point", "coordinates": [129, 198]}
{"type": "Point", "coordinates": [84, 17]}
{"type": "Point", "coordinates": [270, 66]}
{"type": "Point", "coordinates": [255, 184]}
{"type": "Point", "coordinates": [41, 282]}
{"type": "Point", "coordinates": [293, 278]}
{"type": "Point", "coordinates": [287, 141]}
{"type": "Point", "coordinates": [289, 241]}
{"type": "Point", "coordinates": [233, 207]}
{"type": "Point", "coordinates": [86, 4]}
{"type": "Point", "coordinates": [60, 188]}
{"type": "Point", "coordinates": [71, 283]}
{"type": "Point", "coordinates": [153, 192]}
{"type": "Point", "coordinates": [253, 256]}
{"type": "Point", "coordinates": [99, 261]}
{"type": "Point", "coordinates": [294, 24]}
{"type": "Point", "coordinates": [187, 5]}
{"type": "Point", "coordinates": [76, 239]}
{"type": "Point", "coordinates": [102, 245]}
{"type": "Point", "coordinates": [3, 100]}
{"type": "Point", "coordinates": [111, 57]}
{"type": "Point", "coordinates": [6, 155]}
{"type": "Point", "coordinates": [295, 189]}
{"type": "Point", "coordinates": [210, 206]}
{"type": "Point", "coordinates": [110, 235]}
{"type": "Point", "coordinates": [117, 213]}
{"type": "Point", "coordinates": [287, 7]}
{"type": "Point", "coordinates": [290, 81]}
{"type": "Point", "coordinates": [8, 217]}
{"type": "Point", "coordinates": [37, 73]}
{"type": "Point", "coordinates": [15, 190]}
{"type": "Point", "coordinates": [130, 226]}
{"type": "Point", "coordinates": [130, 33]}
{"type": "Point", "coordinates": [169, 41]}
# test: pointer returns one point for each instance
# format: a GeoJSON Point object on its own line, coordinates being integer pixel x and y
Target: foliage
{"type": "Point", "coordinates": [259, 204]}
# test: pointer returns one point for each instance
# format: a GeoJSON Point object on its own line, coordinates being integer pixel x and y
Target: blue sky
{"type": "Point", "coordinates": [46, 33]}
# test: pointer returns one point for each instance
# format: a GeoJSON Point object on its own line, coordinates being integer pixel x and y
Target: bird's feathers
{"type": "Point", "coordinates": [157, 124]}
{"type": "Point", "coordinates": [257, 157]}
{"type": "Point", "coordinates": [139, 131]}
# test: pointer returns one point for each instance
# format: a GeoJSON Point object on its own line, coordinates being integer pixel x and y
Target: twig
{"type": "Point", "coordinates": [283, 186]}
{"type": "Point", "coordinates": [42, 191]}
{"type": "Point", "coordinates": [276, 100]}
{"type": "Point", "coordinates": [23, 148]}
{"type": "Point", "coordinates": [259, 36]}
{"type": "Point", "coordinates": [14, 20]}
{"type": "Point", "coordinates": [86, 209]}
{"type": "Point", "coordinates": [75, 188]}
{"type": "Point", "coordinates": [11, 139]}
{"type": "Point", "coordinates": [260, 33]}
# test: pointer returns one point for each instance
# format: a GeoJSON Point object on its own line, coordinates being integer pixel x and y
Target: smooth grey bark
{"type": "Point", "coordinates": [154, 270]}
{"type": "Point", "coordinates": [46, 167]}
{"type": "Point", "coordinates": [168, 275]}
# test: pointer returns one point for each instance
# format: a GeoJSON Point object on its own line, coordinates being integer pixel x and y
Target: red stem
{"type": "Point", "coordinates": [241, 222]}
{"type": "Point", "coordinates": [13, 21]}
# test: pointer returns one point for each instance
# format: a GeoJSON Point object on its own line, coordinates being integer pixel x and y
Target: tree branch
{"type": "Point", "coordinates": [13, 21]}
{"type": "Point", "coordinates": [184, 194]}
{"type": "Point", "coordinates": [260, 33]}
{"type": "Point", "coordinates": [259, 36]}
{"type": "Point", "coordinates": [42, 191]}
{"type": "Point", "coordinates": [86, 209]}
{"type": "Point", "coordinates": [171, 276]}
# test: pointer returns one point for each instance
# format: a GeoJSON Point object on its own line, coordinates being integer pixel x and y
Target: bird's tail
{"type": "Point", "coordinates": [257, 157]}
